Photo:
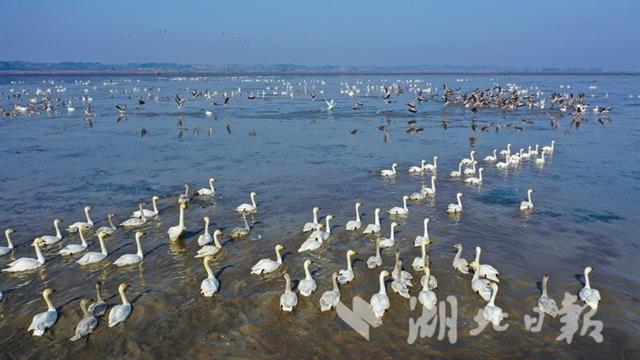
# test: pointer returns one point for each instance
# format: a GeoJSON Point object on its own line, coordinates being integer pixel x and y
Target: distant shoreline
{"type": "Point", "coordinates": [301, 73]}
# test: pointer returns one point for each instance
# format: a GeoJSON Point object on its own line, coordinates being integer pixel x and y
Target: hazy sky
{"type": "Point", "coordinates": [525, 33]}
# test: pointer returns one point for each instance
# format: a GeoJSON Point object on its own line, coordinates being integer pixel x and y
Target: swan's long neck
{"type": "Point", "coordinates": [587, 284]}
{"type": "Point", "coordinates": [433, 183]}
{"type": "Point", "coordinates": [404, 203]}
{"type": "Point", "coordinates": [480, 175]}
{"type": "Point", "coordinates": [460, 167]}
{"type": "Point", "coordinates": [82, 239]}
{"type": "Point", "coordinates": [155, 205]}
{"type": "Point", "coordinates": [102, 247]}
{"type": "Point", "coordinates": [7, 234]}
{"type": "Point", "coordinates": [39, 254]}
{"type": "Point", "coordinates": [98, 293]}
{"type": "Point", "coordinates": [459, 200]}
{"type": "Point", "coordinates": [435, 162]}
{"type": "Point", "coordinates": [208, 268]}
{"type": "Point", "coordinates": [139, 253]}
{"type": "Point", "coordinates": [426, 229]}
{"type": "Point", "coordinates": [427, 275]}
{"type": "Point", "coordinates": [377, 247]}
{"type": "Point", "coordinates": [392, 236]}
{"type": "Point", "coordinates": [335, 283]}
{"type": "Point", "coordinates": [86, 213]}
{"type": "Point", "coordinates": [253, 199]}
{"type": "Point", "coordinates": [287, 279]}
{"type": "Point", "coordinates": [111, 222]}
{"type": "Point", "coordinates": [383, 289]}
{"type": "Point", "coordinates": [494, 293]}
{"type": "Point", "coordinates": [206, 226]}
{"type": "Point", "coordinates": [544, 286]}
{"type": "Point", "coordinates": [477, 260]}
{"type": "Point", "coordinates": [246, 223]}
{"type": "Point", "coordinates": [144, 218]}
{"type": "Point", "coordinates": [181, 219]}
{"type": "Point", "coordinates": [216, 240]}
{"type": "Point", "coordinates": [472, 158]}
{"type": "Point", "coordinates": [50, 306]}
{"type": "Point", "coordinates": [307, 273]}
{"type": "Point", "coordinates": [377, 217]}
{"type": "Point", "coordinates": [211, 186]}
{"type": "Point", "coordinates": [358, 213]}
{"type": "Point", "coordinates": [278, 256]}
{"type": "Point", "coordinates": [56, 225]}
{"type": "Point", "coordinates": [473, 166]}
{"type": "Point", "coordinates": [529, 196]}
{"type": "Point", "coordinates": [458, 254]}
{"type": "Point", "coordinates": [123, 297]}
{"type": "Point", "coordinates": [349, 262]}
{"type": "Point", "coordinates": [315, 216]}
{"type": "Point", "coordinates": [83, 307]}
{"type": "Point", "coordinates": [495, 153]}
{"type": "Point", "coordinates": [423, 246]}
{"type": "Point", "coordinates": [328, 225]}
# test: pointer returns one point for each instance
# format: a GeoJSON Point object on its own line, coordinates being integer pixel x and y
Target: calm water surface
{"type": "Point", "coordinates": [302, 156]}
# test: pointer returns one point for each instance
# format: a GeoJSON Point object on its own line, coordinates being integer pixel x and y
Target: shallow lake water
{"type": "Point", "coordinates": [53, 164]}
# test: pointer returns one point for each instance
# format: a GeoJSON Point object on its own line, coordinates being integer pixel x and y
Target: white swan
{"type": "Point", "coordinates": [136, 221]}
{"type": "Point", "coordinates": [470, 160]}
{"type": "Point", "coordinates": [130, 259]}
{"type": "Point", "coordinates": [347, 275]}
{"type": "Point", "coordinates": [528, 204]}
{"type": "Point", "coordinates": [590, 296]}
{"type": "Point", "coordinates": [53, 239]}
{"type": "Point", "coordinates": [375, 227]}
{"type": "Point", "coordinates": [525, 155]}
{"type": "Point", "coordinates": [354, 224]}
{"type": "Point", "coordinates": [492, 158]}
{"type": "Point", "coordinates": [481, 286]}
{"type": "Point", "coordinates": [427, 297]}
{"type": "Point", "coordinates": [86, 324]}
{"type": "Point", "coordinates": [99, 307]}
{"type": "Point", "coordinates": [429, 191]}
{"type": "Point", "coordinates": [93, 256]}
{"type": "Point", "coordinates": [4, 250]}
{"type": "Point", "coordinates": [175, 232]}
{"type": "Point", "coordinates": [418, 169]}
{"type": "Point", "coordinates": [404, 210]}
{"type": "Point", "coordinates": [25, 264]}
{"type": "Point", "coordinates": [425, 236]}
{"type": "Point", "coordinates": [210, 191]}
{"type": "Point", "coordinates": [432, 284]}
{"type": "Point", "coordinates": [330, 298]}
{"type": "Point", "coordinates": [458, 173]}
{"type": "Point", "coordinates": [289, 299]}
{"type": "Point", "coordinates": [506, 152]}
{"type": "Point", "coordinates": [316, 238]}
{"type": "Point", "coordinates": [210, 285]}
{"type": "Point", "coordinates": [484, 270]}
{"type": "Point", "coordinates": [184, 197]}
{"type": "Point", "coordinates": [307, 285]}
{"type": "Point", "coordinates": [380, 301]}
{"type": "Point", "coordinates": [475, 180]}
{"type": "Point", "coordinates": [390, 241]}
{"type": "Point", "coordinates": [265, 266]}
{"type": "Point", "coordinates": [540, 160]}
{"type": "Point", "coordinates": [401, 276]}
{"type": "Point", "coordinates": [548, 150]}
{"type": "Point", "coordinates": [110, 229]}
{"type": "Point", "coordinates": [120, 313]}
{"type": "Point", "coordinates": [504, 164]}
{"type": "Point", "coordinates": [88, 224]}
{"type": "Point", "coordinates": [248, 208]}
{"type": "Point", "coordinates": [432, 167]}
{"type": "Point", "coordinates": [389, 173]}
{"type": "Point", "coordinates": [314, 225]}
{"type": "Point", "coordinates": [472, 170]}
{"type": "Point", "coordinates": [456, 208]}
{"type": "Point", "coordinates": [545, 303]}
{"type": "Point", "coordinates": [44, 320]}
{"type": "Point", "coordinates": [205, 238]}
{"type": "Point", "coordinates": [535, 151]}
{"type": "Point", "coordinates": [211, 249]}
{"type": "Point", "coordinates": [419, 262]}
{"type": "Point", "coordinates": [238, 232]}
{"type": "Point", "coordinates": [460, 263]}
{"type": "Point", "coordinates": [491, 312]}
{"type": "Point", "coordinates": [375, 261]}
{"type": "Point", "coordinates": [71, 249]}
{"type": "Point", "coordinates": [149, 213]}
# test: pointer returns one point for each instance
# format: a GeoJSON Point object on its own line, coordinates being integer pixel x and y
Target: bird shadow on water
{"type": "Point", "coordinates": [222, 269]}
{"type": "Point", "coordinates": [580, 278]}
